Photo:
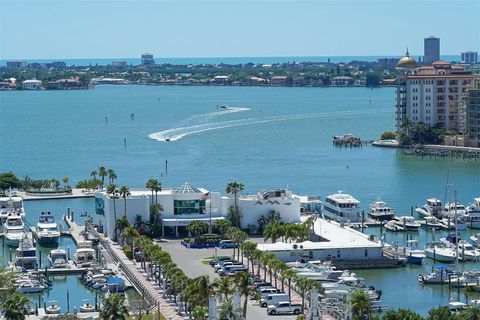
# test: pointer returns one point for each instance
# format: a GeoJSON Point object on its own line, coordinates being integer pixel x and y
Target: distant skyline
{"type": "Point", "coordinates": [48, 29]}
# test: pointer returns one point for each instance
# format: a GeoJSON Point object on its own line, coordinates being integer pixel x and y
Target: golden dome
{"type": "Point", "coordinates": [407, 62]}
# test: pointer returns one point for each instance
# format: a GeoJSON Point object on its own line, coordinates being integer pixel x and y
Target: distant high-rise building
{"type": "Point", "coordinates": [470, 57]}
{"type": "Point", "coordinates": [473, 112]}
{"type": "Point", "coordinates": [431, 50]}
{"type": "Point", "coordinates": [16, 64]}
{"type": "Point", "coordinates": [147, 59]}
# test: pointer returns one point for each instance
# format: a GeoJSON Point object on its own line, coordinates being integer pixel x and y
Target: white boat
{"type": "Point", "coordinates": [451, 224]}
{"type": "Point", "coordinates": [58, 258]}
{"type": "Point", "coordinates": [439, 251]}
{"type": "Point", "coordinates": [414, 254]}
{"type": "Point", "coordinates": [465, 250]}
{"type": "Point", "coordinates": [452, 209]}
{"type": "Point", "coordinates": [53, 307]}
{"type": "Point", "coordinates": [380, 210]}
{"type": "Point", "coordinates": [392, 226]}
{"type": "Point", "coordinates": [85, 255]}
{"type": "Point", "coordinates": [11, 205]}
{"type": "Point", "coordinates": [13, 229]}
{"type": "Point", "coordinates": [26, 255]}
{"type": "Point", "coordinates": [433, 207]}
{"type": "Point", "coordinates": [342, 207]}
{"type": "Point", "coordinates": [30, 287]}
{"type": "Point", "coordinates": [47, 231]}
{"type": "Point", "coordinates": [439, 275]}
{"type": "Point", "coordinates": [432, 222]}
{"type": "Point", "coordinates": [476, 239]}
{"type": "Point", "coordinates": [473, 214]}
{"type": "Point", "coordinates": [87, 306]}
{"type": "Point", "coordinates": [408, 223]}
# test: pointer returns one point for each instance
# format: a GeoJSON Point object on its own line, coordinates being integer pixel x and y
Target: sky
{"type": "Point", "coordinates": [69, 29]}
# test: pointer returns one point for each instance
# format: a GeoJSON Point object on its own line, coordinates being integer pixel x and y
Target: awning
{"type": "Point", "coordinates": [173, 222]}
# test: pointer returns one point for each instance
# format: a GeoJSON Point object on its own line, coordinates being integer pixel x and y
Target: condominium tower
{"type": "Point", "coordinates": [431, 50]}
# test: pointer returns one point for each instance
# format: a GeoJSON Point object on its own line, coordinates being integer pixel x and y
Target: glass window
{"type": "Point", "coordinates": [188, 207]}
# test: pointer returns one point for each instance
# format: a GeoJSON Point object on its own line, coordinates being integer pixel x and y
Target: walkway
{"type": "Point", "coordinates": [76, 193]}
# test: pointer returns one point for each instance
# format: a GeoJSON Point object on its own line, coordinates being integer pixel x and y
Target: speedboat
{"type": "Point", "coordinates": [414, 254]}
{"type": "Point", "coordinates": [452, 209]}
{"type": "Point", "coordinates": [439, 275]}
{"type": "Point", "coordinates": [392, 226]}
{"type": "Point", "coordinates": [433, 207]}
{"type": "Point", "coordinates": [432, 222]}
{"type": "Point", "coordinates": [465, 250]}
{"type": "Point", "coordinates": [342, 208]}
{"type": "Point", "coordinates": [11, 205]}
{"type": "Point", "coordinates": [451, 224]}
{"type": "Point", "coordinates": [13, 229]}
{"type": "Point", "coordinates": [85, 255]}
{"type": "Point", "coordinates": [26, 255]}
{"type": "Point", "coordinates": [53, 307]}
{"type": "Point", "coordinates": [58, 258]}
{"type": "Point", "coordinates": [87, 306]}
{"type": "Point", "coordinates": [408, 223]}
{"type": "Point", "coordinates": [380, 210]}
{"type": "Point", "coordinates": [476, 239]}
{"type": "Point", "coordinates": [30, 286]}
{"type": "Point", "coordinates": [473, 214]}
{"type": "Point", "coordinates": [47, 231]}
{"type": "Point", "coordinates": [439, 251]}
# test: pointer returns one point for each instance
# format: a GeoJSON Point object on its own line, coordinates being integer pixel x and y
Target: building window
{"type": "Point", "coordinates": [338, 254]}
{"type": "Point", "coordinates": [366, 253]}
{"type": "Point", "coordinates": [188, 207]}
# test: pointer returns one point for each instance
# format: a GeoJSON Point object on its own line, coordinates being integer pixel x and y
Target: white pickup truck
{"type": "Point", "coordinates": [284, 308]}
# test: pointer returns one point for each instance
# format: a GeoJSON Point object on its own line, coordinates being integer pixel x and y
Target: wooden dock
{"type": "Point", "coordinates": [76, 231]}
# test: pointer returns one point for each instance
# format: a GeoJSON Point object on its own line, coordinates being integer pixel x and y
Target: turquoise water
{"type": "Point", "coordinates": [284, 139]}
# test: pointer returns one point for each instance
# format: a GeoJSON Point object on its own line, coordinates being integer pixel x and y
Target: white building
{"type": "Point", "coordinates": [32, 84]}
{"type": "Point", "coordinates": [186, 203]}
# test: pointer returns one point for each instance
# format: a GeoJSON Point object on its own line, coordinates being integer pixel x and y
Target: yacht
{"type": "Point", "coordinates": [11, 205]}
{"type": "Point", "coordinates": [452, 209]}
{"type": "Point", "coordinates": [433, 207]}
{"type": "Point", "coordinates": [85, 255]}
{"type": "Point", "coordinates": [13, 229]}
{"type": "Point", "coordinates": [408, 223]}
{"type": "Point", "coordinates": [379, 210]}
{"type": "Point", "coordinates": [392, 226]}
{"type": "Point", "coordinates": [439, 251]}
{"type": "Point", "coordinates": [342, 207]}
{"type": "Point", "coordinates": [433, 222]}
{"type": "Point", "coordinates": [47, 231]}
{"type": "Point", "coordinates": [58, 258]}
{"type": "Point", "coordinates": [473, 214]}
{"type": "Point", "coordinates": [476, 240]}
{"type": "Point", "coordinates": [451, 224]}
{"type": "Point", "coordinates": [465, 250]}
{"type": "Point", "coordinates": [26, 255]}
{"type": "Point", "coordinates": [414, 254]}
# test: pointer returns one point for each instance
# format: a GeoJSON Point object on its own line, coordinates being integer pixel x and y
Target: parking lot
{"type": "Point", "coordinates": [190, 261]}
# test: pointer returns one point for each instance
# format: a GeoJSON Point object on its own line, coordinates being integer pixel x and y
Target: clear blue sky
{"type": "Point", "coordinates": [181, 28]}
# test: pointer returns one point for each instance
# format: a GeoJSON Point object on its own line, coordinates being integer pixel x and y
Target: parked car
{"type": "Point", "coordinates": [214, 261]}
{"type": "Point", "coordinates": [226, 264]}
{"type": "Point", "coordinates": [284, 307]}
{"type": "Point", "coordinates": [259, 285]}
{"type": "Point", "coordinates": [273, 298]}
{"type": "Point", "coordinates": [227, 244]}
{"type": "Point", "coordinates": [232, 269]}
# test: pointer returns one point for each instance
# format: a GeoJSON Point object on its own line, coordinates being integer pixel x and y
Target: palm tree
{"type": "Point", "coordinates": [265, 260]}
{"type": "Point", "coordinates": [243, 283]}
{"type": "Point", "coordinates": [155, 212]}
{"type": "Point", "coordinates": [202, 290]}
{"type": "Point", "coordinates": [121, 224]}
{"type": "Point", "coordinates": [102, 172]}
{"type": "Point", "coordinates": [248, 248]}
{"type": "Point", "coordinates": [226, 311]}
{"type": "Point", "coordinates": [111, 175]}
{"type": "Point", "coordinates": [361, 303]}
{"type": "Point", "coordinates": [124, 193]}
{"type": "Point", "coordinates": [223, 287]}
{"type": "Point", "coordinates": [200, 313]}
{"type": "Point", "coordinates": [129, 234]}
{"type": "Point", "coordinates": [197, 228]}
{"type": "Point", "coordinates": [256, 255]}
{"type": "Point", "coordinates": [138, 222]}
{"type": "Point", "coordinates": [15, 307]}
{"type": "Point", "coordinates": [93, 174]}
{"type": "Point", "coordinates": [234, 188]}
{"type": "Point", "coordinates": [157, 188]}
{"type": "Point", "coordinates": [222, 226]}
{"type": "Point", "coordinates": [302, 284]}
{"type": "Point", "coordinates": [151, 185]}
{"type": "Point", "coordinates": [273, 231]}
{"type": "Point", "coordinates": [470, 313]}
{"type": "Point", "coordinates": [114, 308]}
{"type": "Point", "coordinates": [419, 131]}
{"type": "Point", "coordinates": [113, 192]}
{"type": "Point", "coordinates": [234, 216]}
{"type": "Point", "coordinates": [288, 275]}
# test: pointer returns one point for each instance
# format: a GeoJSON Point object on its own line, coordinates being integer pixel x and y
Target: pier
{"type": "Point", "coordinates": [76, 193]}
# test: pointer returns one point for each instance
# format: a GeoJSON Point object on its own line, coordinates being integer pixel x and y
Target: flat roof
{"type": "Point", "coordinates": [337, 237]}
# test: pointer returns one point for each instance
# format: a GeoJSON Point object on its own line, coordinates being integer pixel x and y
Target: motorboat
{"type": "Point", "coordinates": [474, 206]}
{"type": "Point", "coordinates": [473, 214]}
{"type": "Point", "coordinates": [58, 258]}
{"type": "Point", "coordinates": [26, 255]}
{"type": "Point", "coordinates": [414, 254]}
{"type": "Point", "coordinates": [431, 222]}
{"type": "Point", "coordinates": [85, 255]}
{"type": "Point", "coordinates": [340, 294]}
{"type": "Point", "coordinates": [53, 307]}
{"type": "Point", "coordinates": [87, 306]}
{"type": "Point", "coordinates": [432, 208]}
{"type": "Point", "coordinates": [439, 275]}
{"type": "Point", "coordinates": [453, 209]}
{"type": "Point", "coordinates": [350, 282]}
{"type": "Point", "coordinates": [476, 239]}
{"type": "Point", "coordinates": [31, 287]}
{"type": "Point", "coordinates": [407, 223]}
{"type": "Point", "coordinates": [342, 207]}
{"type": "Point", "coordinates": [465, 250]}
{"type": "Point", "coordinates": [47, 232]}
{"type": "Point", "coordinates": [439, 251]}
{"type": "Point", "coordinates": [11, 205]}
{"type": "Point", "coordinates": [393, 226]}
{"type": "Point", "coordinates": [454, 224]}
{"type": "Point", "coordinates": [13, 229]}
{"type": "Point", "coordinates": [380, 210]}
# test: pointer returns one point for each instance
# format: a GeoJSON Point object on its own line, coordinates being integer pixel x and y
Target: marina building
{"type": "Point", "coordinates": [431, 50]}
{"type": "Point", "coordinates": [182, 205]}
{"type": "Point", "coordinates": [432, 95]}
{"type": "Point", "coordinates": [470, 57]}
{"type": "Point", "coordinates": [32, 84]}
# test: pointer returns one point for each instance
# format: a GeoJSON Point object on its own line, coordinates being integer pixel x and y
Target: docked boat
{"type": "Point", "coordinates": [453, 209]}
{"type": "Point", "coordinates": [439, 251]}
{"type": "Point", "coordinates": [393, 226]}
{"type": "Point", "coordinates": [31, 287]}
{"type": "Point", "coordinates": [476, 240]}
{"type": "Point", "coordinates": [432, 208]}
{"type": "Point", "coordinates": [414, 254]}
{"type": "Point", "coordinates": [473, 214]}
{"type": "Point", "coordinates": [53, 307]}
{"type": "Point", "coordinates": [87, 306]}
{"type": "Point", "coordinates": [380, 210]}
{"type": "Point", "coordinates": [47, 232]}
{"type": "Point", "coordinates": [465, 250]}
{"type": "Point", "coordinates": [408, 223]}
{"type": "Point", "coordinates": [432, 222]}
{"type": "Point", "coordinates": [13, 229]}
{"type": "Point", "coordinates": [11, 205]}
{"type": "Point", "coordinates": [452, 224]}
{"type": "Point", "coordinates": [26, 255]}
{"type": "Point", "coordinates": [85, 255]}
{"type": "Point", "coordinates": [58, 259]}
{"type": "Point", "coordinates": [439, 275]}
{"type": "Point", "coordinates": [342, 207]}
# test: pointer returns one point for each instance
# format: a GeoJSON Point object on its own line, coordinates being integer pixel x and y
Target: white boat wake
{"type": "Point", "coordinates": [204, 117]}
{"type": "Point", "coordinates": [176, 134]}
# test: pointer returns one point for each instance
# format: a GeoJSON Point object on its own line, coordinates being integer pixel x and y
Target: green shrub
{"type": "Point", "coordinates": [128, 252]}
{"type": "Point", "coordinates": [388, 135]}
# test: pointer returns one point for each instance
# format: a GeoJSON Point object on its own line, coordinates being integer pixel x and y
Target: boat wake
{"type": "Point", "coordinates": [204, 117]}
{"type": "Point", "coordinates": [176, 134]}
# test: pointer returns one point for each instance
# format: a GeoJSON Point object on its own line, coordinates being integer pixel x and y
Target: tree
{"type": "Point", "coordinates": [289, 275]}
{"type": "Point", "coordinates": [155, 213]}
{"type": "Point", "coordinates": [7, 284]}
{"type": "Point", "coordinates": [201, 289]}
{"type": "Point", "coordinates": [388, 135]}
{"type": "Point", "coordinates": [102, 173]}
{"type": "Point", "coordinates": [111, 176]}
{"type": "Point", "coordinates": [401, 314]}
{"type": "Point", "coordinates": [233, 188]}
{"type": "Point", "coordinates": [129, 234]}
{"type": "Point", "coordinates": [197, 228]}
{"type": "Point", "coordinates": [121, 224]}
{"type": "Point", "coordinates": [113, 192]}
{"type": "Point", "coordinates": [248, 248]}
{"type": "Point", "coordinates": [200, 313]}
{"type": "Point", "coordinates": [151, 185]}
{"type": "Point", "coordinates": [234, 216]}
{"type": "Point", "coordinates": [273, 231]}
{"type": "Point", "coordinates": [15, 307]}
{"type": "Point", "coordinates": [94, 174]}
{"type": "Point", "coordinates": [243, 283]}
{"type": "Point", "coordinates": [223, 287]}
{"type": "Point", "coordinates": [226, 311]}
{"type": "Point", "coordinates": [65, 180]}
{"type": "Point", "coordinates": [221, 226]}
{"type": "Point", "coordinates": [114, 308]}
{"type": "Point", "coordinates": [470, 313]}
{"type": "Point", "coordinates": [124, 193]}
{"type": "Point", "coordinates": [9, 180]}
{"type": "Point", "coordinates": [419, 131]}
{"type": "Point", "coordinates": [440, 313]}
{"type": "Point", "coordinates": [361, 303]}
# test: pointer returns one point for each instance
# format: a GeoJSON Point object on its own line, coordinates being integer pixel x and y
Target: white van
{"type": "Point", "coordinates": [267, 291]}
{"type": "Point", "coordinates": [273, 298]}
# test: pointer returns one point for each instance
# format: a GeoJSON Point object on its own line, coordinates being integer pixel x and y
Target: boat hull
{"type": "Point", "coordinates": [383, 217]}
{"type": "Point", "coordinates": [439, 257]}
{"type": "Point", "coordinates": [48, 241]}
{"type": "Point", "coordinates": [12, 242]}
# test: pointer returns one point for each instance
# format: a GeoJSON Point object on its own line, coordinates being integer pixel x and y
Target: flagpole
{"type": "Point", "coordinates": [210, 213]}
